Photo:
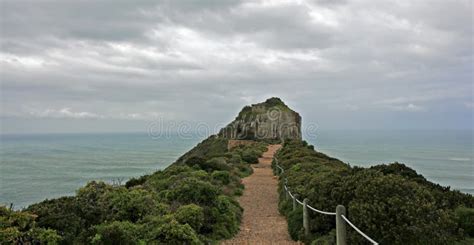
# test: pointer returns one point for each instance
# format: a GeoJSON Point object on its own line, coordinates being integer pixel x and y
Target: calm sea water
{"type": "Point", "coordinates": [36, 167]}
{"type": "Point", "coordinates": [444, 157]}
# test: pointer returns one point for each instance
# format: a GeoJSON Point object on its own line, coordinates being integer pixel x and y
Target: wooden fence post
{"type": "Point", "coordinates": [341, 238]}
{"type": "Point", "coordinates": [305, 217]}
{"type": "Point", "coordinates": [294, 202]}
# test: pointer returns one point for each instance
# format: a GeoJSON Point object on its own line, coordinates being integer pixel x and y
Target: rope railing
{"type": "Point", "coordinates": [321, 212]}
{"type": "Point", "coordinates": [298, 201]}
{"type": "Point", "coordinates": [340, 214]}
{"type": "Point", "coordinates": [357, 229]}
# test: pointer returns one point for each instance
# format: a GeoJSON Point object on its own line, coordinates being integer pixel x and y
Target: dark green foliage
{"type": "Point", "coordinates": [221, 176]}
{"type": "Point", "coordinates": [190, 202]}
{"type": "Point", "coordinates": [136, 181]}
{"type": "Point", "coordinates": [399, 169]}
{"type": "Point", "coordinates": [251, 153]}
{"type": "Point", "coordinates": [445, 198]}
{"type": "Point", "coordinates": [87, 200]}
{"type": "Point", "coordinates": [191, 190]}
{"type": "Point", "coordinates": [250, 156]}
{"type": "Point", "coordinates": [192, 215]}
{"type": "Point", "coordinates": [192, 161]}
{"type": "Point", "coordinates": [117, 232]}
{"type": "Point", "coordinates": [207, 149]}
{"type": "Point", "coordinates": [18, 227]}
{"type": "Point", "coordinates": [274, 101]}
{"type": "Point", "coordinates": [328, 239]}
{"type": "Point", "coordinates": [392, 203]}
{"type": "Point", "coordinates": [59, 214]}
{"type": "Point", "coordinates": [295, 223]}
{"type": "Point", "coordinates": [395, 210]}
{"type": "Point", "coordinates": [465, 218]}
{"type": "Point", "coordinates": [216, 163]}
{"type": "Point", "coordinates": [226, 216]}
{"type": "Point", "coordinates": [245, 111]}
{"type": "Point", "coordinates": [132, 205]}
{"type": "Point", "coordinates": [175, 233]}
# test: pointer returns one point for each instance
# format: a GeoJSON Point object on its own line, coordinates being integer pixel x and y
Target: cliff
{"type": "Point", "coordinates": [269, 120]}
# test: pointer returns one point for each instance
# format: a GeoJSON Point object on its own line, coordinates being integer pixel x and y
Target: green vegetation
{"type": "Point", "coordinates": [21, 228]}
{"type": "Point", "coordinates": [391, 203]}
{"type": "Point", "coordinates": [207, 149]}
{"type": "Point", "coordinates": [270, 104]}
{"type": "Point", "coordinates": [190, 202]}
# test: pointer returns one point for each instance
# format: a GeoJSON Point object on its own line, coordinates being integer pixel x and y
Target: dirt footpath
{"type": "Point", "coordinates": [261, 223]}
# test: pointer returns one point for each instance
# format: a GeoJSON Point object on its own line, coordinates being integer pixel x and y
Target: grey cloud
{"type": "Point", "coordinates": [177, 59]}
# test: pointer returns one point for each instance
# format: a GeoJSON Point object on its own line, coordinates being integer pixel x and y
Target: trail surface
{"type": "Point", "coordinates": [262, 223]}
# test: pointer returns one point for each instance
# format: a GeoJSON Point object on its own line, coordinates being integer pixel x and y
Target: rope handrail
{"type": "Point", "coordinates": [320, 211]}
{"type": "Point", "coordinates": [298, 201]}
{"type": "Point", "coordinates": [291, 195]}
{"type": "Point", "coordinates": [314, 209]}
{"type": "Point", "coordinates": [359, 231]}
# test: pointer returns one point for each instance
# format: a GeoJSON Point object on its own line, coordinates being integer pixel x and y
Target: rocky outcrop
{"type": "Point", "coordinates": [270, 120]}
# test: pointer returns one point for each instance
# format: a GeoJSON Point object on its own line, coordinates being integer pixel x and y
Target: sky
{"type": "Point", "coordinates": [121, 66]}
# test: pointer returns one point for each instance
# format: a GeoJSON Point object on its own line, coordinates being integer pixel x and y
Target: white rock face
{"type": "Point", "coordinates": [271, 119]}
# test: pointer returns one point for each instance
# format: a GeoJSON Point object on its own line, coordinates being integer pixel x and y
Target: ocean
{"type": "Point", "coordinates": [445, 157]}
{"type": "Point", "coordinates": [36, 167]}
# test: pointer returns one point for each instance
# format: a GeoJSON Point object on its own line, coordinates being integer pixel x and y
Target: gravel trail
{"type": "Point", "coordinates": [262, 223]}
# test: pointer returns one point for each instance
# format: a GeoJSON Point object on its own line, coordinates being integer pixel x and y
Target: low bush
{"type": "Point", "coordinates": [18, 227]}
{"type": "Point", "coordinates": [175, 233]}
{"type": "Point", "coordinates": [190, 202]}
{"type": "Point", "coordinates": [190, 214]}
{"type": "Point", "coordinates": [221, 176]}
{"type": "Point", "coordinates": [250, 156]}
{"type": "Point", "coordinates": [216, 163]}
{"type": "Point", "coordinates": [391, 203]}
{"type": "Point", "coordinates": [465, 218]}
{"type": "Point", "coordinates": [117, 232]}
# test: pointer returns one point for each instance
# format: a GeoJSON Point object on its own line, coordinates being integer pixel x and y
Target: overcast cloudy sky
{"type": "Point", "coordinates": [78, 66]}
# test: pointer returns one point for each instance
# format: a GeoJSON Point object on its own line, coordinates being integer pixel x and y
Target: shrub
{"type": "Point", "coordinates": [191, 214]}
{"type": "Point", "coordinates": [175, 233]}
{"type": "Point", "coordinates": [235, 158]}
{"type": "Point", "coordinates": [87, 200]}
{"type": "Point", "coordinates": [221, 176]}
{"type": "Point", "coordinates": [329, 239]}
{"type": "Point", "coordinates": [207, 149]}
{"type": "Point", "coordinates": [195, 160]}
{"type": "Point", "coordinates": [225, 217]}
{"type": "Point", "coordinates": [190, 202]}
{"type": "Point", "coordinates": [250, 156]}
{"type": "Point", "coordinates": [59, 214]}
{"type": "Point", "coordinates": [465, 218]}
{"type": "Point", "coordinates": [391, 208]}
{"type": "Point", "coordinates": [132, 205]}
{"type": "Point", "coordinates": [216, 163]}
{"type": "Point", "coordinates": [117, 232]}
{"type": "Point", "coordinates": [295, 223]}
{"type": "Point", "coordinates": [136, 181]}
{"type": "Point", "coordinates": [191, 190]}
{"type": "Point", "coordinates": [19, 227]}
{"type": "Point", "coordinates": [392, 203]}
